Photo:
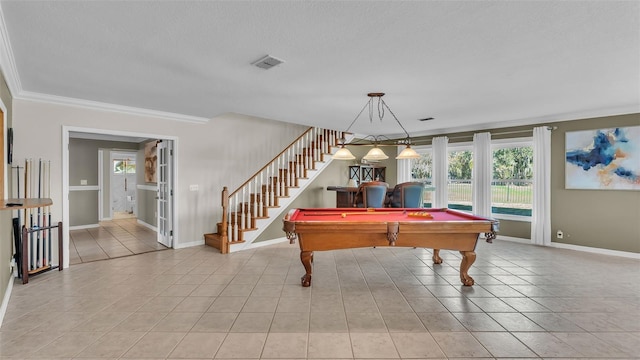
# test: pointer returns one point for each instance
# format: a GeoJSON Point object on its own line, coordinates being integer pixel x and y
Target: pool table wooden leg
{"type": "Point", "coordinates": [436, 256]}
{"type": "Point", "coordinates": [468, 258]}
{"type": "Point", "coordinates": [306, 257]}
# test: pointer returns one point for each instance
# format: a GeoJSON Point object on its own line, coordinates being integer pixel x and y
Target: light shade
{"type": "Point", "coordinates": [408, 153]}
{"type": "Point", "coordinates": [343, 154]}
{"type": "Point", "coordinates": [375, 154]}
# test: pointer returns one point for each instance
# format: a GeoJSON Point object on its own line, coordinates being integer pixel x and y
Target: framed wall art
{"type": "Point", "coordinates": [603, 159]}
{"type": "Point", "coordinates": [150, 159]}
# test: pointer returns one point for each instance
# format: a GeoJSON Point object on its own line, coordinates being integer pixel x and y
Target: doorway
{"type": "Point", "coordinates": [126, 167]}
{"type": "Point", "coordinates": [123, 185]}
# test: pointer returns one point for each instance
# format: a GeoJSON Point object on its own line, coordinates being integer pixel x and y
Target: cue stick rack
{"type": "Point", "coordinates": [33, 229]}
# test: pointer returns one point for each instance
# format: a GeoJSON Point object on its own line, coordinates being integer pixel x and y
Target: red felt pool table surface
{"type": "Point", "coordinates": [345, 228]}
{"type": "Point", "coordinates": [381, 215]}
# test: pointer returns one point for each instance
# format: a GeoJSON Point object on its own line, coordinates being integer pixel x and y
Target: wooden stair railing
{"type": "Point", "coordinates": [253, 199]}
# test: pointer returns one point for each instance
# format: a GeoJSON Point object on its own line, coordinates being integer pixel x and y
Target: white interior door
{"type": "Point", "coordinates": [165, 192]}
{"type": "Point", "coordinates": [123, 184]}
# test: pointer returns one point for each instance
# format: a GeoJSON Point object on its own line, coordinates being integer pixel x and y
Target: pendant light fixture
{"type": "Point", "coordinates": [376, 154]}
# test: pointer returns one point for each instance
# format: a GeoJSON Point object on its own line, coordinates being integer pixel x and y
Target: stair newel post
{"type": "Point", "coordinates": [224, 246]}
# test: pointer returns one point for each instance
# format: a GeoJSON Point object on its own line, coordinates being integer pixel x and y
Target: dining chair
{"type": "Point", "coordinates": [372, 194]}
{"type": "Point", "coordinates": [408, 195]}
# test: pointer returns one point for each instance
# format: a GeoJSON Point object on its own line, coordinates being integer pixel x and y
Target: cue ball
{"type": "Point", "coordinates": [344, 215]}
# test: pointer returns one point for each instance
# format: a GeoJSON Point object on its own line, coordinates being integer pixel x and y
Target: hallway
{"type": "Point", "coordinates": [113, 239]}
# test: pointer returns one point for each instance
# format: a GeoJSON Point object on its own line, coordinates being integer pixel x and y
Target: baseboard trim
{"type": "Point", "coordinates": [7, 296]}
{"type": "Point", "coordinates": [600, 251]}
{"type": "Point", "coordinates": [80, 227]}
{"type": "Point", "coordinates": [189, 244]}
{"type": "Point", "coordinates": [265, 243]}
{"type": "Point", "coordinates": [149, 226]}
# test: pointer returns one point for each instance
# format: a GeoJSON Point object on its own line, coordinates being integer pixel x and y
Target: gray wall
{"type": "Point", "coordinates": [83, 165]}
{"type": "Point", "coordinates": [147, 205]}
{"type": "Point", "coordinates": [608, 219]}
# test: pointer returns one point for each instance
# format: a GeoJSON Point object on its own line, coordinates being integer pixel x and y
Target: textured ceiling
{"type": "Point", "coordinates": [470, 65]}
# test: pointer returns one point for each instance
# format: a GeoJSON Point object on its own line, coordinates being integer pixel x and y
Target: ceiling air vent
{"type": "Point", "coordinates": [267, 62]}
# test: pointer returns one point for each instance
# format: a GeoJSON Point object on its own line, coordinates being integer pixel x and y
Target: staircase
{"type": "Point", "coordinates": [249, 209]}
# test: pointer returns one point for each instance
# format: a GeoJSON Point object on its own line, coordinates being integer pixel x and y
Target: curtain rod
{"type": "Point", "coordinates": [498, 133]}
{"type": "Point", "coordinates": [419, 141]}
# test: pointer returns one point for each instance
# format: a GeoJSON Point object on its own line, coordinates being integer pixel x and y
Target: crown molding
{"type": "Point", "coordinates": [96, 105]}
{"type": "Point", "coordinates": [12, 78]}
{"type": "Point", "coordinates": [545, 119]}
{"type": "Point", "coordinates": [7, 61]}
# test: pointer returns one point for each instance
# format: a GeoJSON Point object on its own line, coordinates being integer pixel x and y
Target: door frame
{"type": "Point", "coordinates": [65, 177]}
{"type": "Point", "coordinates": [113, 154]}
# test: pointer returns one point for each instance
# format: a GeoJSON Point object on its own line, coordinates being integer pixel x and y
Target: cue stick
{"type": "Point", "coordinates": [344, 214]}
{"type": "Point", "coordinates": [49, 211]}
{"type": "Point", "coordinates": [38, 257]}
{"type": "Point", "coordinates": [17, 234]}
{"type": "Point", "coordinates": [44, 217]}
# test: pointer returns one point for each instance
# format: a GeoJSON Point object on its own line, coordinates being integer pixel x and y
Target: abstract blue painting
{"type": "Point", "coordinates": [605, 159]}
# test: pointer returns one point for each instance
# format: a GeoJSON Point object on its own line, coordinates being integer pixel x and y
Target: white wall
{"type": "Point", "coordinates": [223, 152]}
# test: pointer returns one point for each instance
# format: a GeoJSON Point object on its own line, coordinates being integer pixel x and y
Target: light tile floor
{"type": "Point", "coordinates": [371, 303]}
{"type": "Point", "coordinates": [114, 238]}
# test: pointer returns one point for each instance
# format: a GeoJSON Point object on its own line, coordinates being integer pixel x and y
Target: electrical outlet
{"type": "Point", "coordinates": [193, 187]}
{"type": "Point", "coordinates": [559, 234]}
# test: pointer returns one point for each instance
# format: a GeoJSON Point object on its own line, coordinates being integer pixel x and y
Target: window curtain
{"type": "Point", "coordinates": [404, 168]}
{"type": "Point", "coordinates": [541, 212]}
{"type": "Point", "coordinates": [482, 174]}
{"type": "Point", "coordinates": [440, 171]}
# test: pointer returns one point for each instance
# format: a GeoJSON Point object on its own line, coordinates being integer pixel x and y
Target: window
{"type": "Point", "coordinates": [512, 184]}
{"type": "Point", "coordinates": [124, 166]}
{"type": "Point", "coordinates": [421, 171]}
{"type": "Point", "coordinates": [460, 167]}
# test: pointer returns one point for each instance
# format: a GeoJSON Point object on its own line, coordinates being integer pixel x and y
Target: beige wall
{"type": "Point", "coordinates": [83, 165]}
{"type": "Point", "coordinates": [223, 152]}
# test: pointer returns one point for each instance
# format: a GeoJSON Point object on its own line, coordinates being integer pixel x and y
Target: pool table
{"type": "Point", "coordinates": [346, 228]}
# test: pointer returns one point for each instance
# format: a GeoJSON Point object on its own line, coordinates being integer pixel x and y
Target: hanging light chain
{"type": "Point", "coordinates": [398, 121]}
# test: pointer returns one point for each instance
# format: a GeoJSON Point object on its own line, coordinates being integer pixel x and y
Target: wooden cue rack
{"type": "Point", "coordinates": [30, 203]}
